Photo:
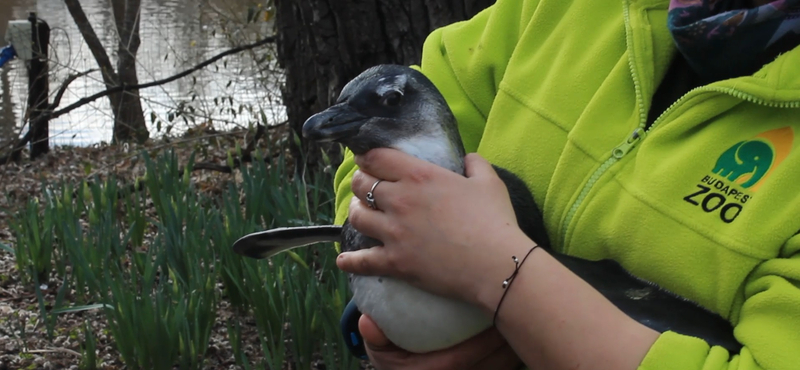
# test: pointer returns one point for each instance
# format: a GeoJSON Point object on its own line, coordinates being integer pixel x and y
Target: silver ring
{"type": "Point", "coordinates": [371, 195]}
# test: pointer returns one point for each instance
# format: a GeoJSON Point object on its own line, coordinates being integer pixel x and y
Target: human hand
{"type": "Point", "coordinates": [438, 227]}
{"type": "Point", "coordinates": [485, 351]}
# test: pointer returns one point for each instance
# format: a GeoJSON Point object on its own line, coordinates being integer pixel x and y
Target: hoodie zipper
{"type": "Point", "coordinates": [641, 132]}
{"type": "Point", "coordinates": [626, 146]}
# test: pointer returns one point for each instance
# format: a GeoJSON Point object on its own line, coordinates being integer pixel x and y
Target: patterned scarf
{"type": "Point", "coordinates": [722, 39]}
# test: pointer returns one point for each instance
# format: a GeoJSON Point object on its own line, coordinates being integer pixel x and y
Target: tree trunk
{"type": "Point", "coordinates": [94, 44]}
{"type": "Point", "coordinates": [129, 121]}
{"type": "Point", "coordinates": [322, 44]}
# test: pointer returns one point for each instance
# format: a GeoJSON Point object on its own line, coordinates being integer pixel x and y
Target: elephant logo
{"type": "Point", "coordinates": [748, 163]}
{"type": "Point", "coordinates": [745, 163]}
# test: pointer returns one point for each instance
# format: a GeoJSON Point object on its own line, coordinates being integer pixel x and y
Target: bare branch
{"type": "Point", "coordinates": [189, 140]}
{"type": "Point", "coordinates": [56, 350]}
{"type": "Point", "coordinates": [63, 88]}
{"type": "Point", "coordinates": [246, 157]}
{"type": "Point", "coordinates": [237, 162]}
{"type": "Point", "coordinates": [89, 99]}
{"type": "Point", "coordinates": [50, 113]}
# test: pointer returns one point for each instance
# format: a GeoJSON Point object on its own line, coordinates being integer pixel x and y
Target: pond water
{"type": "Point", "coordinates": [176, 34]}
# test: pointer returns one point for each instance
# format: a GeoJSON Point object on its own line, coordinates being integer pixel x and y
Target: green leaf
{"type": "Point", "coordinates": [296, 138]}
{"type": "Point", "coordinates": [229, 159]}
{"type": "Point", "coordinates": [81, 308]}
{"type": "Point", "coordinates": [7, 248]}
{"type": "Point", "coordinates": [297, 259]}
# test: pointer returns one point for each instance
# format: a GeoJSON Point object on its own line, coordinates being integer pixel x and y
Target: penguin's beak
{"type": "Point", "coordinates": [336, 122]}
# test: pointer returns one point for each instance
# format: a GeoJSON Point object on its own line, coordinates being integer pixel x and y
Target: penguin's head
{"type": "Point", "coordinates": [391, 106]}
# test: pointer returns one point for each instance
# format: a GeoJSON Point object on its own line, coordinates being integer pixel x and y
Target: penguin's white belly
{"type": "Point", "coordinates": [414, 319]}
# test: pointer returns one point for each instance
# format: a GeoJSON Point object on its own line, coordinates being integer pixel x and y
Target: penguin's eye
{"type": "Point", "coordinates": [391, 98]}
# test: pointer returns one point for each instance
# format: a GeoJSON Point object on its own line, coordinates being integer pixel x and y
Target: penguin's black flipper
{"type": "Point", "coordinates": [529, 217]}
{"type": "Point", "coordinates": [268, 243]}
{"type": "Point", "coordinates": [651, 305]}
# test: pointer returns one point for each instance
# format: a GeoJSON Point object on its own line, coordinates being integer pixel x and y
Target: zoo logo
{"type": "Point", "coordinates": [745, 165]}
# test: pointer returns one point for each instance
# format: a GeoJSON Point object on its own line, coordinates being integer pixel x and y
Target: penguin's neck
{"type": "Point", "coordinates": [436, 149]}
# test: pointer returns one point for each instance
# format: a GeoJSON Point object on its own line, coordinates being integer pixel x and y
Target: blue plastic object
{"type": "Point", "coordinates": [7, 53]}
{"type": "Point", "coordinates": [349, 325]}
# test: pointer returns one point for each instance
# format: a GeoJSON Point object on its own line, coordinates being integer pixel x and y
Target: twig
{"type": "Point", "coordinates": [237, 162]}
{"type": "Point", "coordinates": [171, 143]}
{"type": "Point", "coordinates": [246, 157]}
{"type": "Point", "coordinates": [210, 166]}
{"type": "Point", "coordinates": [55, 350]}
{"type": "Point", "coordinates": [63, 88]}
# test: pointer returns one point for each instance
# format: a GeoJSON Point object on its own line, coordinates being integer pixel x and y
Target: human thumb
{"type": "Point", "coordinates": [477, 166]}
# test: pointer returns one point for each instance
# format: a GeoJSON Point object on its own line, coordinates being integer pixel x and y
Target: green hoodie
{"type": "Point", "coordinates": [705, 203]}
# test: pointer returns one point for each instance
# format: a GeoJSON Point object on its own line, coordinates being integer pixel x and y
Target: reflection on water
{"type": "Point", "coordinates": [176, 34]}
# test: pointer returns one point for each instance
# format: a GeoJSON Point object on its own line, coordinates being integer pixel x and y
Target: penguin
{"type": "Point", "coordinates": [393, 106]}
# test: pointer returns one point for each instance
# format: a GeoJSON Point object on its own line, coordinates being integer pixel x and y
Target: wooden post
{"type": "Point", "coordinates": [38, 88]}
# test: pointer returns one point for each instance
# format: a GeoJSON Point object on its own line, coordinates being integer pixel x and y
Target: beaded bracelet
{"type": "Point", "coordinates": [507, 282]}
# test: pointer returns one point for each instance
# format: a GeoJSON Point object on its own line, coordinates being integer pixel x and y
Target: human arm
{"type": "Point", "coordinates": [432, 221]}
{"type": "Point", "coordinates": [551, 317]}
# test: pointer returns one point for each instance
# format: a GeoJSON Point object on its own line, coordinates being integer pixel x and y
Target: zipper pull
{"type": "Point", "coordinates": [629, 143]}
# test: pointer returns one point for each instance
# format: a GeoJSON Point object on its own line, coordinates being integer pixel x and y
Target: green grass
{"type": "Point", "coordinates": [158, 263]}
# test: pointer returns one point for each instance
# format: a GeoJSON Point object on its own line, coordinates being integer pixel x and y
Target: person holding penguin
{"type": "Point", "coordinates": [662, 135]}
